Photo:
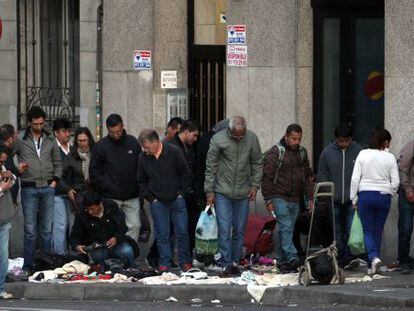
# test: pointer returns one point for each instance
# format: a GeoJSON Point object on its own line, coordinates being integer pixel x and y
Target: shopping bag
{"type": "Point", "coordinates": [206, 235]}
{"type": "Point", "coordinates": [356, 237]}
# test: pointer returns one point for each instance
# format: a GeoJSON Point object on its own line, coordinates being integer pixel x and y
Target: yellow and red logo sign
{"type": "Point", "coordinates": [374, 85]}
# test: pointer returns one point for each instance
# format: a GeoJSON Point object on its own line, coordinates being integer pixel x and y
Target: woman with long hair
{"type": "Point", "coordinates": [374, 181]}
{"type": "Point", "coordinates": [76, 169]}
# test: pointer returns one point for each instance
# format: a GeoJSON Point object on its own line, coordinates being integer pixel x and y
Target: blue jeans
{"type": "Point", "coordinates": [286, 213]}
{"type": "Point", "coordinates": [4, 252]}
{"type": "Point", "coordinates": [162, 215]}
{"type": "Point", "coordinates": [122, 251]}
{"type": "Point", "coordinates": [61, 212]}
{"type": "Point", "coordinates": [344, 214]}
{"type": "Point", "coordinates": [405, 227]}
{"type": "Point", "coordinates": [231, 214]}
{"type": "Point", "coordinates": [373, 208]}
{"type": "Point", "coordinates": [37, 206]}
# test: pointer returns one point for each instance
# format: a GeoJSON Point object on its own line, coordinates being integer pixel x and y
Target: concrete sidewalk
{"type": "Point", "coordinates": [394, 292]}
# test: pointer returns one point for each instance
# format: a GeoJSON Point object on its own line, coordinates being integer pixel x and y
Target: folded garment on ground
{"type": "Point", "coordinates": [76, 267]}
{"type": "Point", "coordinates": [160, 279]}
{"type": "Point", "coordinates": [43, 276]}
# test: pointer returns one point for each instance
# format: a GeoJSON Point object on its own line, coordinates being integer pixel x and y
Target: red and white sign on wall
{"type": "Point", "coordinates": [237, 55]}
{"type": "Point", "coordinates": [236, 34]}
{"type": "Point", "coordinates": [142, 59]}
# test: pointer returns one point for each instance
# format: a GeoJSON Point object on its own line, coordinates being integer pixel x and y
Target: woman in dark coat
{"type": "Point", "coordinates": [76, 168]}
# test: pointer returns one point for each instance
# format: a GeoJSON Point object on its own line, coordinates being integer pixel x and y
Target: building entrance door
{"type": "Point", "coordinates": [349, 69]}
{"type": "Point", "coordinates": [207, 61]}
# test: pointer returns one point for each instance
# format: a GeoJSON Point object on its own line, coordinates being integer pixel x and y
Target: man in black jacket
{"type": "Point", "coordinates": [185, 140]}
{"type": "Point", "coordinates": [164, 177]}
{"type": "Point", "coordinates": [113, 167]}
{"type": "Point", "coordinates": [100, 231]}
{"type": "Point", "coordinates": [8, 139]}
{"type": "Point", "coordinates": [61, 211]}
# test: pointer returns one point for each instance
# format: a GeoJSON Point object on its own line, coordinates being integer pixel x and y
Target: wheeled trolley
{"type": "Point", "coordinates": [321, 265]}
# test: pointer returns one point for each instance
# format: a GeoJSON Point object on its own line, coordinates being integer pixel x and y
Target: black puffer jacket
{"type": "Point", "coordinates": [113, 167]}
{"type": "Point", "coordinates": [87, 229]}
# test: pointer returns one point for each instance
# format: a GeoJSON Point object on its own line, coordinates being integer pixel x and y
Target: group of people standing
{"type": "Point", "coordinates": [103, 183]}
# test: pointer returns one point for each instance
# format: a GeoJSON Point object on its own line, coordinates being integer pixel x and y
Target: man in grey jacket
{"type": "Point", "coordinates": [7, 181]}
{"type": "Point", "coordinates": [406, 205]}
{"type": "Point", "coordinates": [40, 155]}
{"type": "Point", "coordinates": [233, 175]}
{"type": "Point", "coordinates": [336, 164]}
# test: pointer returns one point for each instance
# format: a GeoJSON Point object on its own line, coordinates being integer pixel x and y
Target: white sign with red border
{"type": "Point", "coordinates": [142, 59]}
{"type": "Point", "coordinates": [236, 34]}
{"type": "Point", "coordinates": [237, 55]}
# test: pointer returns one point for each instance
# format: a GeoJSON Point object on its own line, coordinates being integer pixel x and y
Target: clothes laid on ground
{"type": "Point", "coordinates": [16, 263]}
{"type": "Point", "coordinates": [43, 276]}
{"type": "Point", "coordinates": [76, 266]}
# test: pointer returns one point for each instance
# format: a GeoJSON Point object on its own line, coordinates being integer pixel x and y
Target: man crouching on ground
{"type": "Point", "coordinates": [100, 231]}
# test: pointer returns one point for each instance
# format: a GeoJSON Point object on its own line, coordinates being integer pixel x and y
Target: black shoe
{"type": "Point", "coordinates": [230, 271]}
{"type": "Point", "coordinates": [405, 268]}
{"type": "Point", "coordinates": [152, 261]}
{"type": "Point", "coordinates": [285, 268]}
{"type": "Point", "coordinates": [294, 264]}
{"type": "Point", "coordinates": [352, 265]}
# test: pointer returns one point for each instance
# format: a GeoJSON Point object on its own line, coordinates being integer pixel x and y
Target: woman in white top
{"type": "Point", "coordinates": [374, 180]}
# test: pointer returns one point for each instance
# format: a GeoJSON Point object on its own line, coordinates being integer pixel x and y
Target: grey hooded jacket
{"type": "Point", "coordinates": [336, 165]}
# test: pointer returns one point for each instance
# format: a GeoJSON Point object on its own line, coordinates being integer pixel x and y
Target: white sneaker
{"type": "Point", "coordinates": [6, 295]}
{"type": "Point", "coordinates": [369, 271]}
{"type": "Point", "coordinates": [376, 265]}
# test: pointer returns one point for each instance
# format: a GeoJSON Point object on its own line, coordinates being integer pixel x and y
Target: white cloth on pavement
{"type": "Point", "coordinates": [160, 279]}
{"type": "Point", "coordinates": [262, 282]}
{"type": "Point", "coordinates": [43, 276]}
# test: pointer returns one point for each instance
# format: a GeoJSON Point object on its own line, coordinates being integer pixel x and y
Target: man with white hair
{"type": "Point", "coordinates": [233, 176]}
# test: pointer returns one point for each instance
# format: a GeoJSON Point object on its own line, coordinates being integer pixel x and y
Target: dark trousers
{"type": "Point", "coordinates": [193, 212]}
{"type": "Point", "coordinates": [344, 214]}
{"type": "Point", "coordinates": [405, 227]}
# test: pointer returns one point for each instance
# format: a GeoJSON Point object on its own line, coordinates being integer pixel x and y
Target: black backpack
{"type": "Point", "coordinates": [322, 268]}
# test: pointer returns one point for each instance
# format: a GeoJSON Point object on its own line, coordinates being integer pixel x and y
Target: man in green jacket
{"type": "Point", "coordinates": [233, 176]}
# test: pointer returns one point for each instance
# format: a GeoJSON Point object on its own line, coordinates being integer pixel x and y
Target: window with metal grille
{"type": "Point", "coordinates": [48, 55]}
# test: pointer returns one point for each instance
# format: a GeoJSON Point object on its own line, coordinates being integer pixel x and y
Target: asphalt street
{"type": "Point", "coordinates": [65, 305]}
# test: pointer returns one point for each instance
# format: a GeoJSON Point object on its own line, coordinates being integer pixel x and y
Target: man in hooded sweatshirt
{"type": "Point", "coordinates": [336, 164]}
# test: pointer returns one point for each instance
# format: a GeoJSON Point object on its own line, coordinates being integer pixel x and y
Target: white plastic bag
{"type": "Point", "coordinates": [206, 235]}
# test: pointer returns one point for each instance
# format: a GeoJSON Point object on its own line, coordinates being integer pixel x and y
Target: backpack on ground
{"type": "Point", "coordinates": [258, 238]}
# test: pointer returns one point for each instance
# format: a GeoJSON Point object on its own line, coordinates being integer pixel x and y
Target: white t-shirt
{"type": "Point", "coordinates": [374, 170]}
